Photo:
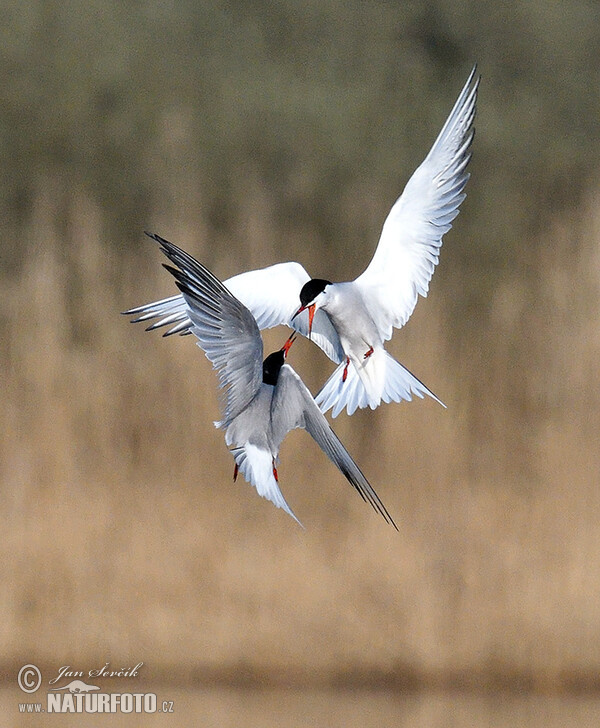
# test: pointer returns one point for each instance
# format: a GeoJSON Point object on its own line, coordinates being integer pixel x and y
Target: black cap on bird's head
{"type": "Point", "coordinates": [273, 363]}
{"type": "Point", "coordinates": [311, 289]}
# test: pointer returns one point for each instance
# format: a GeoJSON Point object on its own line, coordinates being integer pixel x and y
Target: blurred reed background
{"type": "Point", "coordinates": [252, 133]}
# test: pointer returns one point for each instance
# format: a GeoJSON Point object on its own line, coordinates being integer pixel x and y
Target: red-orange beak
{"type": "Point", "coordinates": [311, 314]}
{"type": "Point", "coordinates": [288, 344]}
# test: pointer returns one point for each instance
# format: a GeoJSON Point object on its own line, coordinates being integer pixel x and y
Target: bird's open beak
{"type": "Point", "coordinates": [311, 315]}
{"type": "Point", "coordinates": [288, 344]}
{"type": "Point", "coordinates": [299, 311]}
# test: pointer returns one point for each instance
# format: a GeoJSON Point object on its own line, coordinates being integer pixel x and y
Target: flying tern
{"type": "Point", "coordinates": [365, 311]}
{"type": "Point", "coordinates": [264, 400]}
{"type": "Point", "coordinates": [351, 321]}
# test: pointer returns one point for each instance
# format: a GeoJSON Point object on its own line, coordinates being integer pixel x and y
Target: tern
{"type": "Point", "coordinates": [365, 311]}
{"type": "Point", "coordinates": [264, 400]}
{"type": "Point", "coordinates": [351, 321]}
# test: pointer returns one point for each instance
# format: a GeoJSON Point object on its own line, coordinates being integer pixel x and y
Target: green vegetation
{"type": "Point", "coordinates": [318, 105]}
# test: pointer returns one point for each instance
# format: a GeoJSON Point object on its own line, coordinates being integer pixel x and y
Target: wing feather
{"type": "Point", "coordinates": [411, 238]}
{"type": "Point", "coordinates": [293, 406]}
{"type": "Point", "coordinates": [225, 329]}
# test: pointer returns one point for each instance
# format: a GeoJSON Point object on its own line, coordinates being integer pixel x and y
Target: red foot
{"type": "Point", "coordinates": [368, 354]}
{"type": "Point", "coordinates": [345, 374]}
{"type": "Point", "coordinates": [275, 473]}
{"type": "Point", "coordinates": [235, 472]}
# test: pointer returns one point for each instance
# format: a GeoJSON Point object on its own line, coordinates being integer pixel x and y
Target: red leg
{"type": "Point", "coordinates": [345, 374]}
{"type": "Point", "coordinates": [368, 354]}
{"type": "Point", "coordinates": [235, 472]}
{"type": "Point", "coordinates": [275, 472]}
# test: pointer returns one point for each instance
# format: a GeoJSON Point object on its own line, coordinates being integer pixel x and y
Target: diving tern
{"type": "Point", "coordinates": [264, 400]}
{"type": "Point", "coordinates": [351, 321]}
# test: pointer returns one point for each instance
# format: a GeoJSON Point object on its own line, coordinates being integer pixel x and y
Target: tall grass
{"type": "Point", "coordinates": [125, 539]}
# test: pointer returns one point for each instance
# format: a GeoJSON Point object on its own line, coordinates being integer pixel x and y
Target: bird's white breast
{"type": "Point", "coordinates": [346, 308]}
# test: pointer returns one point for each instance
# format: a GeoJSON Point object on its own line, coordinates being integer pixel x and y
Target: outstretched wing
{"type": "Point", "coordinates": [293, 406]}
{"type": "Point", "coordinates": [273, 296]}
{"type": "Point", "coordinates": [225, 328]}
{"type": "Point", "coordinates": [410, 241]}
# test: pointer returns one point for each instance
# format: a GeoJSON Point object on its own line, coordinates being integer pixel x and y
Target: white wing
{"type": "Point", "coordinates": [410, 242]}
{"type": "Point", "coordinates": [273, 296]}
{"type": "Point", "coordinates": [225, 328]}
{"type": "Point", "coordinates": [293, 406]}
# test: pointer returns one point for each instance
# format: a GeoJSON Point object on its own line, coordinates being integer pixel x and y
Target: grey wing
{"type": "Point", "coordinates": [225, 329]}
{"type": "Point", "coordinates": [273, 296]}
{"type": "Point", "coordinates": [323, 333]}
{"type": "Point", "coordinates": [293, 406]}
{"type": "Point", "coordinates": [172, 312]}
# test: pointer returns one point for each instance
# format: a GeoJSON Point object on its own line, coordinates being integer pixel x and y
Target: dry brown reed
{"type": "Point", "coordinates": [124, 538]}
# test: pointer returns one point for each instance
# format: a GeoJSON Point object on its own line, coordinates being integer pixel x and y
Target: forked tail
{"type": "Point", "coordinates": [257, 467]}
{"type": "Point", "coordinates": [391, 383]}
